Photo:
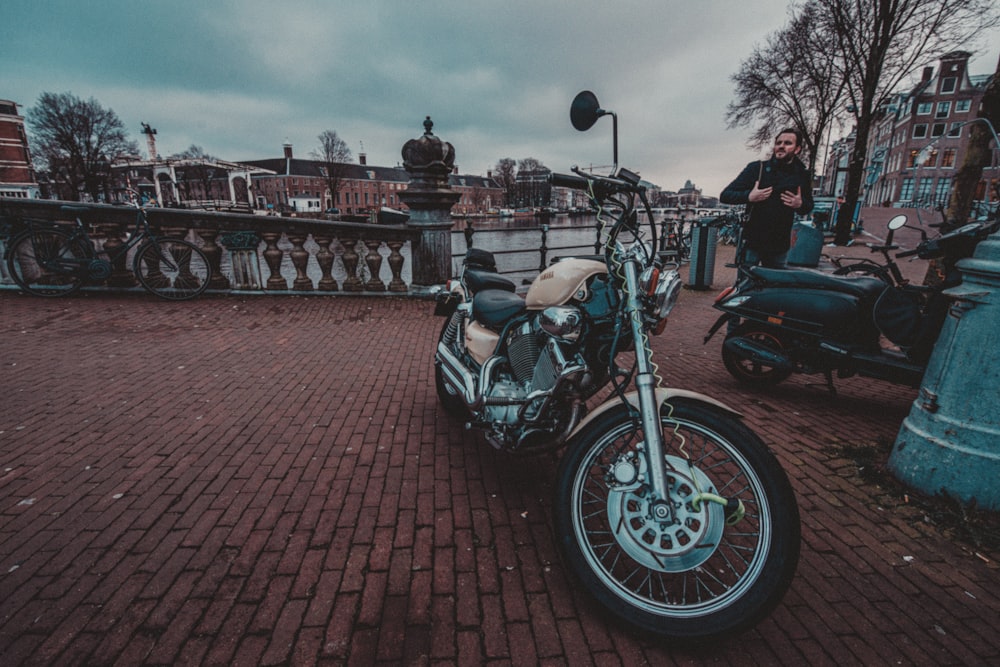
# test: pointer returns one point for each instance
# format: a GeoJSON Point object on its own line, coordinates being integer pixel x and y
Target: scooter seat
{"type": "Point", "coordinates": [861, 286]}
{"type": "Point", "coordinates": [479, 280]}
{"type": "Point", "coordinates": [492, 308]}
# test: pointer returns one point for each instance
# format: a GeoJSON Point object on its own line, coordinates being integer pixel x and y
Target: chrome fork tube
{"type": "Point", "coordinates": [645, 384]}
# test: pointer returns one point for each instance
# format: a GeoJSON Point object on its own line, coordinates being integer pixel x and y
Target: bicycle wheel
{"type": "Point", "coordinates": [172, 268]}
{"type": "Point", "coordinates": [48, 262]}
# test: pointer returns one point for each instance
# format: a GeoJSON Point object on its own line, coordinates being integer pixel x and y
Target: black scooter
{"type": "Point", "coordinates": [785, 321]}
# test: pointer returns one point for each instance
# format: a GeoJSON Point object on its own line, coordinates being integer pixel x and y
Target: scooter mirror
{"type": "Point", "coordinates": [897, 222]}
{"type": "Point", "coordinates": [585, 111]}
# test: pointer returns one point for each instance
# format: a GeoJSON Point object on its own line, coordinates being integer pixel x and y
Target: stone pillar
{"type": "Point", "coordinates": [429, 161]}
{"type": "Point", "coordinates": [951, 439]}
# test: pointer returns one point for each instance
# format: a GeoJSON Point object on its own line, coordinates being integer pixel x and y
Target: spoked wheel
{"type": "Point", "coordinates": [752, 372]}
{"type": "Point", "coordinates": [713, 558]}
{"type": "Point", "coordinates": [172, 268]}
{"type": "Point", "coordinates": [48, 262]}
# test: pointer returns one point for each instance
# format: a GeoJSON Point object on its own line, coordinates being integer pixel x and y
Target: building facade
{"type": "Point", "coordinates": [17, 175]}
{"type": "Point", "coordinates": [302, 186]}
{"type": "Point", "coordinates": [919, 142]}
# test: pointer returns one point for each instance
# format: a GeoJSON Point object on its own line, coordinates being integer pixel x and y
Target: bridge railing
{"type": "Point", "coordinates": [251, 252]}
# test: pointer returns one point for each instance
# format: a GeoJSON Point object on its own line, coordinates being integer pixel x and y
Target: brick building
{"type": "Point", "coordinates": [302, 186]}
{"type": "Point", "coordinates": [17, 175]}
{"type": "Point", "coordinates": [921, 139]}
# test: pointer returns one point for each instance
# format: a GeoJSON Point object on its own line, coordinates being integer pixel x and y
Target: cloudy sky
{"type": "Point", "coordinates": [239, 78]}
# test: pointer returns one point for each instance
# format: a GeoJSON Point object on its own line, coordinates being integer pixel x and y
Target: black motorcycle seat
{"type": "Point", "coordinates": [860, 286]}
{"type": "Point", "coordinates": [492, 308]}
{"type": "Point", "coordinates": [479, 280]}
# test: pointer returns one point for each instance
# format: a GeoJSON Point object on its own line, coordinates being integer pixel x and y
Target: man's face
{"type": "Point", "coordinates": [786, 147]}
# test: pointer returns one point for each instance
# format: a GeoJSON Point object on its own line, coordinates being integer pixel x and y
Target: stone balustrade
{"type": "Point", "coordinates": [299, 255]}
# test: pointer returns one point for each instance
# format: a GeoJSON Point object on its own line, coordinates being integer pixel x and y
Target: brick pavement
{"type": "Point", "coordinates": [268, 480]}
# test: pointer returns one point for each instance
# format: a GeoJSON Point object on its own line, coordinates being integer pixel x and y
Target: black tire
{"type": "Point", "coordinates": [751, 373]}
{"type": "Point", "coordinates": [48, 262]}
{"type": "Point", "coordinates": [690, 578]}
{"type": "Point", "coordinates": [450, 400]}
{"type": "Point", "coordinates": [172, 268]}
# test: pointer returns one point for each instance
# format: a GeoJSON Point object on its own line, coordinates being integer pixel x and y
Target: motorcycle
{"type": "Point", "coordinates": [783, 321]}
{"type": "Point", "coordinates": [672, 513]}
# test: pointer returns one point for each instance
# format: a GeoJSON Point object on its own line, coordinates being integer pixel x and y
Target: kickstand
{"type": "Point", "coordinates": [829, 383]}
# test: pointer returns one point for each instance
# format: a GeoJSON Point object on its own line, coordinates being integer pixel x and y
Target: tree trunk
{"type": "Point", "coordinates": [978, 156]}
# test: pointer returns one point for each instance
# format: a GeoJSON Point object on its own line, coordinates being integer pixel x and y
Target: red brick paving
{"type": "Point", "coordinates": [269, 480]}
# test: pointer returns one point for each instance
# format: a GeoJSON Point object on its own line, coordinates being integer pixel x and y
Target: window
{"type": "Point", "coordinates": [948, 84]}
{"type": "Point", "coordinates": [943, 108]}
{"type": "Point", "coordinates": [937, 129]}
{"type": "Point", "coordinates": [906, 191]}
{"type": "Point", "coordinates": [941, 193]}
{"type": "Point", "coordinates": [924, 189]}
{"type": "Point", "coordinates": [923, 108]}
{"type": "Point", "coordinates": [919, 131]}
{"type": "Point", "coordinates": [962, 106]}
{"type": "Point", "coordinates": [948, 157]}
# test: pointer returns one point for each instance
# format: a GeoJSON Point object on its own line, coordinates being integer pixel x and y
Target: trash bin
{"type": "Point", "coordinates": [703, 243]}
{"type": "Point", "coordinates": [807, 245]}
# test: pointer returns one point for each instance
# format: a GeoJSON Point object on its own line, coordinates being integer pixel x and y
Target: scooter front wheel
{"type": "Point", "coordinates": [753, 372]}
{"type": "Point", "coordinates": [710, 560]}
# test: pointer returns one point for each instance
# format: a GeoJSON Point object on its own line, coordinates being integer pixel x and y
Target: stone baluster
{"type": "Point", "coordinates": [352, 283]}
{"type": "Point", "coordinates": [214, 254]}
{"type": "Point", "coordinates": [121, 270]}
{"type": "Point", "coordinates": [396, 266]}
{"type": "Point", "coordinates": [300, 260]}
{"type": "Point", "coordinates": [374, 261]}
{"type": "Point", "coordinates": [272, 256]}
{"type": "Point", "coordinates": [324, 257]}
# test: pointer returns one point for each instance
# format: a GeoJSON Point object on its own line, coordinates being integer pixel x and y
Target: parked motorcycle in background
{"type": "Point", "coordinates": [781, 321]}
{"type": "Point", "coordinates": [668, 508]}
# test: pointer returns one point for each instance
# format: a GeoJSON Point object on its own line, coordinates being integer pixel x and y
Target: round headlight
{"type": "Point", "coordinates": [668, 290]}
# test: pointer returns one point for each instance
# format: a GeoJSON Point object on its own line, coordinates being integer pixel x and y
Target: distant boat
{"type": "Point", "coordinates": [390, 216]}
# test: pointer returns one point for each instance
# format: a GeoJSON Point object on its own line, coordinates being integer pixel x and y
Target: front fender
{"type": "Point", "coordinates": [663, 394]}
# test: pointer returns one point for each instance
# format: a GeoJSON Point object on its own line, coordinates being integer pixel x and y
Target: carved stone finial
{"type": "Point", "coordinates": [428, 155]}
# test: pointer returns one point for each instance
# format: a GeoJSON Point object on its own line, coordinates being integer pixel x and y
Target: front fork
{"type": "Point", "coordinates": [645, 384]}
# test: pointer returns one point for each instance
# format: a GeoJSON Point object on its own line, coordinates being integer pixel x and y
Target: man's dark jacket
{"type": "Point", "coordinates": [770, 225]}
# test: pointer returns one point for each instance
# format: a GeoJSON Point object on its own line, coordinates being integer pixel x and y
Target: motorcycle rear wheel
{"type": "Point", "coordinates": [751, 373]}
{"type": "Point", "coordinates": [689, 578]}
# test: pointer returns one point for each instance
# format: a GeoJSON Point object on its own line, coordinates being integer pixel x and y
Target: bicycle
{"type": "Point", "coordinates": [48, 260]}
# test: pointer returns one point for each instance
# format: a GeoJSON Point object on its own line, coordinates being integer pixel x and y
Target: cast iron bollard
{"type": "Point", "coordinates": [950, 441]}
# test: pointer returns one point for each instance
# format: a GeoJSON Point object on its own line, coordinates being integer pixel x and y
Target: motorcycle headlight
{"type": "Point", "coordinates": [667, 291]}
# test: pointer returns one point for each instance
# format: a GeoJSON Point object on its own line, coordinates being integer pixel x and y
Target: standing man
{"type": "Point", "coordinates": [774, 191]}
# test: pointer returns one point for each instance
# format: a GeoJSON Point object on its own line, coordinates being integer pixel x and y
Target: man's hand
{"type": "Point", "coordinates": [760, 195]}
{"type": "Point", "coordinates": [792, 200]}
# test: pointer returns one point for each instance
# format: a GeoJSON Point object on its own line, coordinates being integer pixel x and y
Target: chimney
{"type": "Point", "coordinates": [928, 72]}
{"type": "Point", "coordinates": [288, 151]}
{"type": "Point", "coordinates": [362, 159]}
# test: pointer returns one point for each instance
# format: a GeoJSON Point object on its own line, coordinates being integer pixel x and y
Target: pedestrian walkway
{"type": "Point", "coordinates": [269, 480]}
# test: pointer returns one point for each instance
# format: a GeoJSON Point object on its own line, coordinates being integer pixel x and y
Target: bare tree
{"type": "Point", "coordinates": [75, 141]}
{"type": "Point", "coordinates": [335, 156]}
{"type": "Point", "coordinates": [794, 80]}
{"type": "Point", "coordinates": [505, 174]}
{"type": "Point", "coordinates": [879, 44]}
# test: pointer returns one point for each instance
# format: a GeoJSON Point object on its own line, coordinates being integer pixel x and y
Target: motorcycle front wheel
{"type": "Point", "coordinates": [700, 570]}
